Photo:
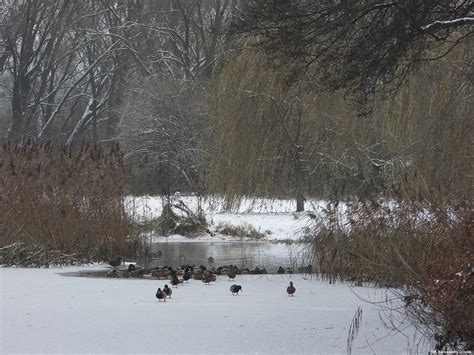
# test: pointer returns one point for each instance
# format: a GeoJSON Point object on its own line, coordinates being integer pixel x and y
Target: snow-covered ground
{"type": "Point", "coordinates": [274, 218]}
{"type": "Point", "coordinates": [44, 312]}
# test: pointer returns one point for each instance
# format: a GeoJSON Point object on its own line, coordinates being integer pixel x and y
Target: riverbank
{"type": "Point", "coordinates": [271, 220]}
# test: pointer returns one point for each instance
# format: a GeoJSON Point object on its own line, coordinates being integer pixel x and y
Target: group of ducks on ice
{"type": "Point", "coordinates": [178, 277]}
{"type": "Point", "coordinates": [207, 277]}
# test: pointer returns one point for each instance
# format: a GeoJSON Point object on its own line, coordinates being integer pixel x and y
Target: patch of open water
{"type": "Point", "coordinates": [243, 254]}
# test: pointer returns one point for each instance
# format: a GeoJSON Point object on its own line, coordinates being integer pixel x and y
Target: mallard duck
{"type": "Point", "coordinates": [174, 280]}
{"type": "Point", "coordinates": [208, 278]}
{"type": "Point", "coordinates": [231, 273]}
{"type": "Point", "coordinates": [115, 262]}
{"type": "Point", "coordinates": [138, 273]}
{"type": "Point", "coordinates": [160, 295]}
{"type": "Point", "coordinates": [291, 289]}
{"type": "Point", "coordinates": [198, 275]}
{"type": "Point", "coordinates": [167, 291]}
{"type": "Point", "coordinates": [235, 289]}
{"type": "Point", "coordinates": [187, 275]}
{"type": "Point", "coordinates": [163, 272]}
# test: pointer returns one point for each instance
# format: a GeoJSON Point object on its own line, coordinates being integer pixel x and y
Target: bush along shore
{"type": "Point", "coordinates": [59, 205]}
{"type": "Point", "coordinates": [420, 249]}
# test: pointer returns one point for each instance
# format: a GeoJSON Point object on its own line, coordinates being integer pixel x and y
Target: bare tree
{"type": "Point", "coordinates": [67, 61]}
{"type": "Point", "coordinates": [164, 113]}
{"type": "Point", "coordinates": [163, 124]}
{"type": "Point", "coordinates": [55, 54]}
{"type": "Point", "coordinates": [32, 34]}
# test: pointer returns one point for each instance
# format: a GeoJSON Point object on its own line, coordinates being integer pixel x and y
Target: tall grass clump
{"type": "Point", "coordinates": [442, 300]}
{"type": "Point", "coordinates": [56, 201]}
{"type": "Point", "coordinates": [420, 248]}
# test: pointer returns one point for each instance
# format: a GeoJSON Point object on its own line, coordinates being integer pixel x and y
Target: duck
{"type": "Point", "coordinates": [186, 275]}
{"type": "Point", "coordinates": [291, 289]}
{"type": "Point", "coordinates": [160, 295]}
{"type": "Point", "coordinates": [162, 272]}
{"type": "Point", "coordinates": [281, 270]}
{"type": "Point", "coordinates": [174, 280]}
{"type": "Point", "coordinates": [167, 291]}
{"type": "Point", "coordinates": [115, 262]}
{"type": "Point", "coordinates": [198, 275]}
{"type": "Point", "coordinates": [235, 289]}
{"type": "Point", "coordinates": [135, 271]}
{"type": "Point", "coordinates": [231, 273]}
{"type": "Point", "coordinates": [258, 271]}
{"type": "Point", "coordinates": [208, 278]}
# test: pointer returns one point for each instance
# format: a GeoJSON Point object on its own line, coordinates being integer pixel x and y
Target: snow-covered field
{"type": "Point", "coordinates": [44, 312]}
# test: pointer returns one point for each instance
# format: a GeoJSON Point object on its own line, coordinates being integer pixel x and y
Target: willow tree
{"type": "Point", "coordinates": [264, 124]}
{"type": "Point", "coordinates": [428, 125]}
{"type": "Point", "coordinates": [277, 135]}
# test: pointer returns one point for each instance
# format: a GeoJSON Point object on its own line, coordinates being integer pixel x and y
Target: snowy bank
{"type": "Point", "coordinates": [275, 219]}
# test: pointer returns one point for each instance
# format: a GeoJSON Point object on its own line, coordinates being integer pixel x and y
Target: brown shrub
{"type": "Point", "coordinates": [64, 200]}
{"type": "Point", "coordinates": [424, 249]}
{"type": "Point", "coordinates": [374, 242]}
{"type": "Point", "coordinates": [447, 288]}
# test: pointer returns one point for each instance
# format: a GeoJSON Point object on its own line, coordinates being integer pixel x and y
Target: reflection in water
{"type": "Point", "coordinates": [247, 254]}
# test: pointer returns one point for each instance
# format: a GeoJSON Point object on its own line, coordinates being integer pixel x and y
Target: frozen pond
{"type": "Point", "coordinates": [44, 313]}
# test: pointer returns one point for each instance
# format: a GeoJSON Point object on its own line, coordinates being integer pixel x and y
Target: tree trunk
{"type": "Point", "coordinates": [298, 163]}
{"type": "Point", "coordinates": [298, 185]}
